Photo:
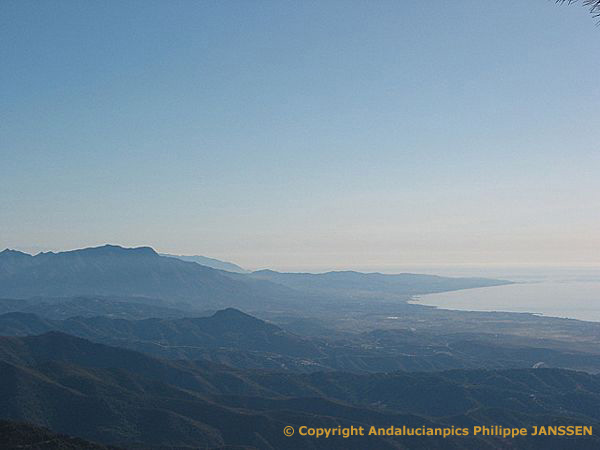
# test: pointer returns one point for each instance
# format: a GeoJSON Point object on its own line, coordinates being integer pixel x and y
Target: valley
{"type": "Point", "coordinates": [140, 346]}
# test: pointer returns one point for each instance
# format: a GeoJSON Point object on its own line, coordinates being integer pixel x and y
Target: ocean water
{"type": "Point", "coordinates": [570, 293]}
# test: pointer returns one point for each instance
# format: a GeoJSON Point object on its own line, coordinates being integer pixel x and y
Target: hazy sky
{"type": "Point", "coordinates": [303, 135]}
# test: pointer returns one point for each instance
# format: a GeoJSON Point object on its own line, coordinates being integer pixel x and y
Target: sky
{"type": "Point", "coordinates": [303, 135]}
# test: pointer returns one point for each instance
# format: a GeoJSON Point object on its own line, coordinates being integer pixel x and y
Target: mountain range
{"type": "Point", "coordinates": [141, 272]}
{"type": "Point", "coordinates": [115, 271]}
{"type": "Point", "coordinates": [209, 262]}
{"type": "Point", "coordinates": [129, 348]}
{"type": "Point", "coordinates": [239, 340]}
{"type": "Point", "coordinates": [122, 397]}
{"type": "Point", "coordinates": [351, 284]}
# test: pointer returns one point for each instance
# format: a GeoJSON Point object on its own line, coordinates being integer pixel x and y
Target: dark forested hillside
{"type": "Point", "coordinates": [92, 306]}
{"type": "Point", "coordinates": [118, 396]}
{"type": "Point", "coordinates": [237, 339]}
{"type": "Point", "coordinates": [19, 435]}
{"type": "Point", "coordinates": [124, 347]}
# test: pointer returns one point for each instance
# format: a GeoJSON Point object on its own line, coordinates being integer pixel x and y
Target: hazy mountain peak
{"type": "Point", "coordinates": [114, 250]}
{"type": "Point", "coordinates": [112, 270]}
{"type": "Point", "coordinates": [10, 253]}
{"type": "Point", "coordinates": [230, 311]}
{"type": "Point", "coordinates": [264, 271]}
{"type": "Point", "coordinates": [234, 314]}
{"type": "Point", "coordinates": [103, 250]}
{"type": "Point", "coordinates": [209, 262]}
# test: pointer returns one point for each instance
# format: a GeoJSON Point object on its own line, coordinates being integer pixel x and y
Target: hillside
{"type": "Point", "coordinates": [239, 340]}
{"type": "Point", "coordinates": [228, 336]}
{"type": "Point", "coordinates": [126, 272]}
{"type": "Point", "coordinates": [19, 435]}
{"type": "Point", "coordinates": [129, 398]}
{"type": "Point", "coordinates": [140, 272]}
{"type": "Point", "coordinates": [209, 262]}
{"type": "Point", "coordinates": [372, 285]}
{"type": "Point", "coordinates": [92, 306]}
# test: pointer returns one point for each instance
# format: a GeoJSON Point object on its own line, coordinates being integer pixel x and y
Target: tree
{"type": "Point", "coordinates": [593, 5]}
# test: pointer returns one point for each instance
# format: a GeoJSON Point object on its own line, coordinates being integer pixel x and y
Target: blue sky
{"type": "Point", "coordinates": [303, 135]}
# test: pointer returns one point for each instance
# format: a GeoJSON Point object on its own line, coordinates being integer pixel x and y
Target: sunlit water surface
{"type": "Point", "coordinates": [570, 293]}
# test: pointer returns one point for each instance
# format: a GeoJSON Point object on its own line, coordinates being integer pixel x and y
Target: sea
{"type": "Point", "coordinates": [557, 292]}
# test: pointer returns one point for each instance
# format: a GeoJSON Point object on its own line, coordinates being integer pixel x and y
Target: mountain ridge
{"type": "Point", "coordinates": [130, 398]}
{"type": "Point", "coordinates": [237, 339]}
{"type": "Point", "coordinates": [351, 283]}
{"type": "Point", "coordinates": [209, 262]}
{"type": "Point", "coordinates": [112, 270]}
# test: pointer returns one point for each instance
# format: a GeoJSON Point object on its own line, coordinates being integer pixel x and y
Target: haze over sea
{"type": "Point", "coordinates": [572, 292]}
